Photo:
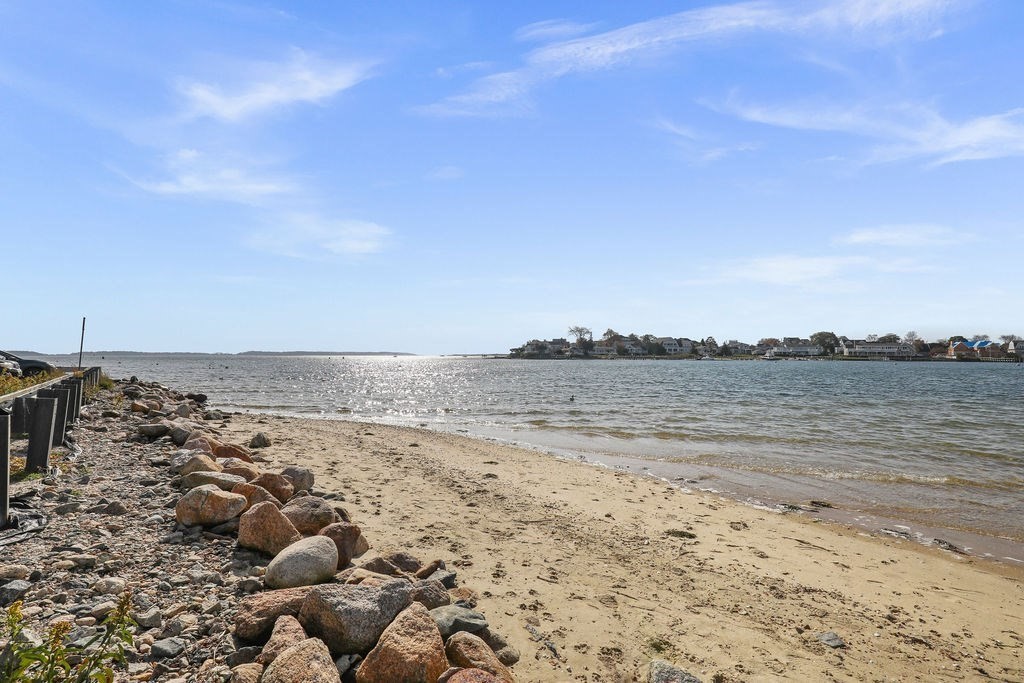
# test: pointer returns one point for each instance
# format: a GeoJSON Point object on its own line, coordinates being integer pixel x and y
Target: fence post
{"type": "Point", "coordinates": [22, 418]}
{"type": "Point", "coordinates": [75, 399]}
{"type": "Point", "coordinates": [40, 434]}
{"type": "Point", "coordinates": [5, 468]}
{"type": "Point", "coordinates": [60, 413]}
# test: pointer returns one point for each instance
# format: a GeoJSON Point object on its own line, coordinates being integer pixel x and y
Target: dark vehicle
{"type": "Point", "coordinates": [9, 367]}
{"type": "Point", "coordinates": [29, 366]}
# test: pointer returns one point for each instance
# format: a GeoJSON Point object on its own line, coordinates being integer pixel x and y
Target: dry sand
{"type": "Point", "coordinates": [591, 572]}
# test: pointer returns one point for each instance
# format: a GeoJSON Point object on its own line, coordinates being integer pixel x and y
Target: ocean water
{"type": "Point", "coordinates": [940, 444]}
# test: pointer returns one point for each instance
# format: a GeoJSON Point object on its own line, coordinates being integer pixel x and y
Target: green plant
{"type": "Point", "coordinates": [55, 661]}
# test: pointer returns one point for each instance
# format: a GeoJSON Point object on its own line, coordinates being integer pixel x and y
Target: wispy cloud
{"type": "Point", "coordinates": [552, 29]}
{"type": "Point", "coordinates": [190, 173]}
{"type": "Point", "coordinates": [697, 146]}
{"type": "Point", "coordinates": [911, 236]}
{"type": "Point", "coordinates": [505, 92]}
{"type": "Point", "coordinates": [789, 269]}
{"type": "Point", "coordinates": [309, 236]}
{"type": "Point", "coordinates": [903, 131]}
{"type": "Point", "coordinates": [267, 86]}
{"type": "Point", "coordinates": [445, 173]}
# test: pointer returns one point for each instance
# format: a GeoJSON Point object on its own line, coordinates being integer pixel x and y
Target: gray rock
{"type": "Point", "coordinates": [431, 594]}
{"type": "Point", "coordinates": [452, 618]}
{"type": "Point", "coordinates": [302, 477]}
{"type": "Point", "coordinates": [180, 434]}
{"type": "Point", "coordinates": [151, 618]}
{"type": "Point", "coordinates": [261, 440]}
{"type": "Point", "coordinates": [167, 648]}
{"type": "Point", "coordinates": [67, 508]}
{"type": "Point", "coordinates": [110, 585]}
{"type": "Point", "coordinates": [445, 576]}
{"type": "Point", "coordinates": [346, 662]}
{"type": "Point", "coordinates": [154, 430]}
{"type": "Point", "coordinates": [832, 639]}
{"type": "Point", "coordinates": [15, 590]}
{"type": "Point", "coordinates": [221, 480]}
{"type": "Point", "coordinates": [243, 655]}
{"type": "Point", "coordinates": [350, 618]}
{"type": "Point", "coordinates": [304, 563]}
{"type": "Point", "coordinates": [663, 672]}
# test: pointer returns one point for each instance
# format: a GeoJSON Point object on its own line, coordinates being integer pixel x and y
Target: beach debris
{"type": "Point", "coordinates": [946, 545]}
{"type": "Point", "coordinates": [821, 503]}
{"type": "Point", "coordinates": [832, 639]}
{"type": "Point", "coordinates": [680, 533]}
{"type": "Point", "coordinates": [663, 672]}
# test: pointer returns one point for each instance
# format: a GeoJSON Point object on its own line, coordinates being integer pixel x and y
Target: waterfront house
{"type": "Point", "coordinates": [1015, 347]}
{"type": "Point", "coordinates": [797, 348]}
{"type": "Point", "coordinates": [670, 345]}
{"type": "Point", "coordinates": [860, 348]}
{"type": "Point", "coordinates": [738, 348]}
{"type": "Point", "coordinates": [982, 348]}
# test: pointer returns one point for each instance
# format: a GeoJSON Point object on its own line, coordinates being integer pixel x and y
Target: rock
{"type": "Point", "coordinates": [263, 527]}
{"type": "Point", "coordinates": [246, 673]}
{"type": "Point", "coordinates": [309, 514]}
{"type": "Point", "coordinates": [452, 619]}
{"type": "Point", "coordinates": [167, 648]}
{"type": "Point", "coordinates": [361, 546]}
{"type": "Point", "coordinates": [139, 407]}
{"type": "Point", "coordinates": [14, 572]}
{"type": "Point", "coordinates": [404, 561]}
{"type": "Point", "coordinates": [255, 494]}
{"type": "Point", "coordinates": [261, 440]}
{"type": "Point", "coordinates": [467, 650]}
{"type": "Point", "coordinates": [12, 591]}
{"type": "Point", "coordinates": [219, 479]}
{"type": "Point", "coordinates": [344, 535]}
{"type": "Point", "coordinates": [351, 618]}
{"type": "Point", "coordinates": [153, 431]}
{"type": "Point", "coordinates": [67, 508]}
{"type": "Point", "coordinates": [410, 650]}
{"type": "Point", "coordinates": [110, 585]}
{"type": "Point", "coordinates": [200, 399]}
{"type": "Point", "coordinates": [303, 563]}
{"type": "Point", "coordinates": [469, 676]}
{"type": "Point", "coordinates": [230, 450]}
{"type": "Point", "coordinates": [199, 462]}
{"type": "Point", "coordinates": [305, 662]}
{"type": "Point", "coordinates": [208, 505]}
{"type": "Point", "coordinates": [346, 662]}
{"type": "Point", "coordinates": [378, 565]}
{"type": "Point", "coordinates": [287, 632]}
{"type": "Point", "coordinates": [301, 479]}
{"type": "Point", "coordinates": [180, 434]}
{"type": "Point", "coordinates": [243, 470]}
{"type": "Point", "coordinates": [431, 594]}
{"type": "Point", "coordinates": [663, 672]}
{"type": "Point", "coordinates": [115, 508]}
{"type": "Point", "coordinates": [506, 654]}
{"type": "Point", "coordinates": [832, 639]}
{"type": "Point", "coordinates": [198, 442]}
{"type": "Point", "coordinates": [278, 486]}
{"type": "Point", "coordinates": [257, 613]}
{"type": "Point", "coordinates": [428, 569]}
{"type": "Point", "coordinates": [151, 618]}
{"type": "Point", "coordinates": [444, 576]}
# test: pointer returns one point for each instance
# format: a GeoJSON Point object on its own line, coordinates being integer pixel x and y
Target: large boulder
{"type": "Point", "coordinates": [199, 442]}
{"type": "Point", "coordinates": [410, 650]}
{"type": "Point", "coordinates": [230, 450]}
{"type": "Point", "coordinates": [262, 527]}
{"type": "Point", "coordinates": [240, 468]}
{"type": "Point", "coordinates": [351, 618]}
{"type": "Point", "coordinates": [255, 494]}
{"type": "Point", "coordinates": [246, 673]}
{"type": "Point", "coordinates": [278, 486]}
{"type": "Point", "coordinates": [305, 662]}
{"type": "Point", "coordinates": [257, 613]}
{"type": "Point", "coordinates": [154, 430]}
{"type": "Point", "coordinates": [460, 675]}
{"type": "Point", "coordinates": [345, 535]}
{"type": "Point", "coordinates": [220, 479]}
{"type": "Point", "coordinates": [303, 563]}
{"type": "Point", "coordinates": [309, 514]}
{"type": "Point", "coordinates": [287, 632]}
{"type": "Point", "coordinates": [453, 618]}
{"type": "Point", "coordinates": [200, 462]}
{"type": "Point", "coordinates": [467, 650]}
{"type": "Point", "coordinates": [300, 477]}
{"type": "Point", "coordinates": [208, 505]}
{"type": "Point", "coordinates": [431, 593]}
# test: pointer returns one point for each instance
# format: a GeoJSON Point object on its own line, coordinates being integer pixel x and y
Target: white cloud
{"type": "Point", "coordinates": [904, 130]}
{"type": "Point", "coordinates": [445, 173]}
{"type": "Point", "coordinates": [694, 144]}
{"type": "Point", "coordinates": [311, 236]}
{"type": "Point", "coordinates": [915, 236]}
{"type": "Point", "coordinates": [850, 19]}
{"type": "Point", "coordinates": [552, 29]}
{"type": "Point", "coordinates": [193, 174]}
{"type": "Point", "coordinates": [302, 78]}
{"type": "Point", "coordinates": [789, 269]}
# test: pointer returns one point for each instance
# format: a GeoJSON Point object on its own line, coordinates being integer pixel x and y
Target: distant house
{"type": "Point", "coordinates": [685, 345]}
{"type": "Point", "coordinates": [797, 347]}
{"type": "Point", "coordinates": [670, 344]}
{"type": "Point", "coordinates": [860, 348]}
{"type": "Point", "coordinates": [1016, 348]}
{"type": "Point", "coordinates": [634, 348]}
{"type": "Point", "coordinates": [984, 348]}
{"type": "Point", "coordinates": [602, 350]}
{"type": "Point", "coordinates": [738, 348]}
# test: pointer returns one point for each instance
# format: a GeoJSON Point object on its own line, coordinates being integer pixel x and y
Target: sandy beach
{"type": "Point", "coordinates": [592, 572]}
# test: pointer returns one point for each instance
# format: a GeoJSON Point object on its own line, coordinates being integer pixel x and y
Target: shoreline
{"type": "Point", "coordinates": [594, 571]}
{"type": "Point", "coordinates": [762, 491]}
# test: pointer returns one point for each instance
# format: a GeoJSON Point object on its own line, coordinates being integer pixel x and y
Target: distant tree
{"type": "Point", "coordinates": [980, 337]}
{"type": "Point", "coordinates": [724, 350]}
{"type": "Point", "coordinates": [580, 333]}
{"type": "Point", "coordinates": [610, 335]}
{"type": "Point", "coordinates": [889, 338]}
{"type": "Point", "coordinates": [871, 338]}
{"type": "Point", "coordinates": [911, 337]}
{"type": "Point", "coordinates": [768, 341]}
{"type": "Point", "coordinates": [632, 337]}
{"type": "Point", "coordinates": [620, 349]}
{"type": "Point", "coordinates": [1007, 338]}
{"type": "Point", "coordinates": [956, 338]}
{"type": "Point", "coordinates": [826, 340]}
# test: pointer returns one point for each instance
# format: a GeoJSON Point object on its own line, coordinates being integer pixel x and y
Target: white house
{"type": "Point", "coordinates": [670, 345]}
{"type": "Point", "coordinates": [859, 348]}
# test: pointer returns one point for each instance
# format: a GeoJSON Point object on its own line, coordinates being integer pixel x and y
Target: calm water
{"type": "Point", "coordinates": [935, 443]}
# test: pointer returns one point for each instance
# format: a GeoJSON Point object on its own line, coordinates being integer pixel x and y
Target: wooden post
{"type": "Point", "coordinates": [40, 434]}
{"type": "Point", "coordinates": [60, 413]}
{"type": "Point", "coordinates": [22, 418]}
{"type": "Point", "coordinates": [5, 468]}
{"type": "Point", "coordinates": [75, 399]}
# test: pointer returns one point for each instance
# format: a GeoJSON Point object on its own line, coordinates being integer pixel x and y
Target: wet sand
{"type": "Point", "coordinates": [591, 572]}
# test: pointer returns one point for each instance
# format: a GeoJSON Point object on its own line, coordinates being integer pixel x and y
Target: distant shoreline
{"type": "Point", "coordinates": [223, 353]}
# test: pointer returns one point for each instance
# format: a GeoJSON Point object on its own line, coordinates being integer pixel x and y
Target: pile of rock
{"type": "Point", "coordinates": [237, 572]}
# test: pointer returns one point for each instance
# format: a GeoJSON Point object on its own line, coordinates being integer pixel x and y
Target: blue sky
{"type": "Point", "coordinates": [458, 177]}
